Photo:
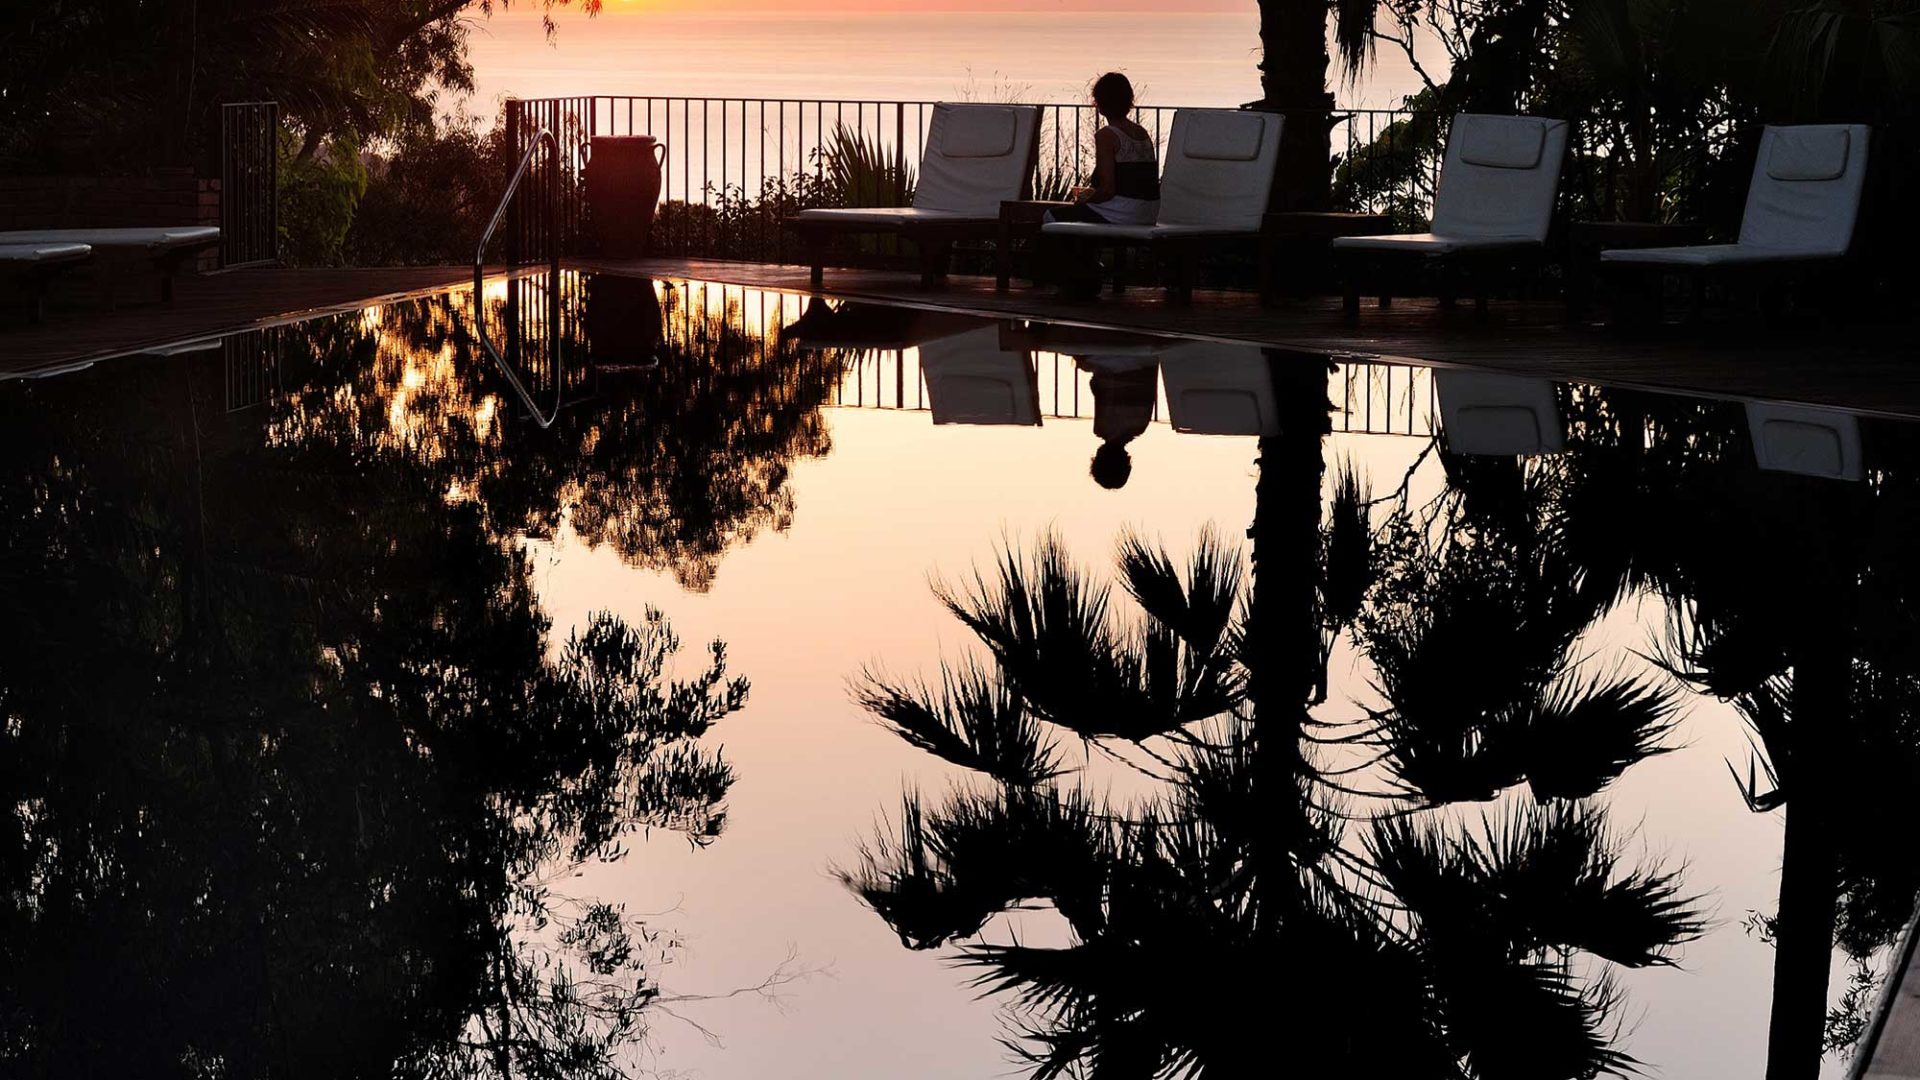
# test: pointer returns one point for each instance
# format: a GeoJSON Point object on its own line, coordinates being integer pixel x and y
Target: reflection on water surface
{"type": "Point", "coordinates": [1262, 708]}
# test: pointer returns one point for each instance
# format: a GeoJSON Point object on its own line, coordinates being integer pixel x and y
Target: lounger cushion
{"type": "Point", "coordinates": [1811, 153]}
{"type": "Point", "coordinates": [1206, 182]}
{"type": "Point", "coordinates": [973, 161]}
{"type": "Point", "coordinates": [36, 254]}
{"type": "Point", "coordinates": [1500, 142]}
{"type": "Point", "coordinates": [890, 217]}
{"type": "Point", "coordinates": [1707, 255]}
{"type": "Point", "coordinates": [1431, 244]}
{"type": "Point", "coordinates": [1505, 199]}
{"type": "Point", "coordinates": [1222, 135]}
{"type": "Point", "coordinates": [159, 239]}
{"type": "Point", "coordinates": [1093, 230]}
{"type": "Point", "coordinates": [977, 133]}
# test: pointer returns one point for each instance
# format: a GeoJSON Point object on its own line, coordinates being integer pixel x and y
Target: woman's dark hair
{"type": "Point", "coordinates": [1113, 95]}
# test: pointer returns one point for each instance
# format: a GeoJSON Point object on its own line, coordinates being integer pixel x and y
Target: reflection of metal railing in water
{"type": "Point", "coordinates": [1369, 398]}
{"type": "Point", "coordinates": [542, 347]}
{"type": "Point", "coordinates": [1384, 399]}
{"type": "Point", "coordinates": [252, 361]}
{"type": "Point", "coordinates": [551, 193]}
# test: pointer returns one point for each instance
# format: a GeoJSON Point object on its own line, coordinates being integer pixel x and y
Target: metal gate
{"type": "Point", "coordinates": [249, 183]}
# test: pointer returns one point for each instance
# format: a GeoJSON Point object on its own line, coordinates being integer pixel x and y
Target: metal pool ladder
{"type": "Point", "coordinates": [543, 136]}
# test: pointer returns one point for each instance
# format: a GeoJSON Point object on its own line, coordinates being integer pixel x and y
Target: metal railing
{"type": "Point", "coordinates": [735, 166]}
{"type": "Point", "coordinates": [550, 236]}
{"type": "Point", "coordinates": [249, 183]}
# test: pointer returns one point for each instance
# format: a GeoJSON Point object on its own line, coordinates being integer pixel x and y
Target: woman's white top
{"type": "Point", "coordinates": [1123, 209]}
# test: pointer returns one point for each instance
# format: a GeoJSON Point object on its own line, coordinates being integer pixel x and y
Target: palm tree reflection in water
{"type": "Point", "coordinates": [1436, 946]}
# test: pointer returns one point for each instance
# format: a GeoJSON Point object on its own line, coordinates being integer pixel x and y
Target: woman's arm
{"type": "Point", "coordinates": [1106, 153]}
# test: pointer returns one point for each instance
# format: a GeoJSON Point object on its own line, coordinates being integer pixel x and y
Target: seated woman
{"type": "Point", "coordinates": [1125, 186]}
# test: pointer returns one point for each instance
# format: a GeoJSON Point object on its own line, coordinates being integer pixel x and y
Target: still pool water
{"type": "Point", "coordinates": [770, 686]}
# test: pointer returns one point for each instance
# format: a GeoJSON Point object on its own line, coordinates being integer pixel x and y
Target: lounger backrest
{"type": "Point", "coordinates": [1219, 170]}
{"type": "Point", "coordinates": [1500, 176]}
{"type": "Point", "coordinates": [1806, 188]}
{"type": "Point", "coordinates": [977, 157]}
{"type": "Point", "coordinates": [1484, 412]}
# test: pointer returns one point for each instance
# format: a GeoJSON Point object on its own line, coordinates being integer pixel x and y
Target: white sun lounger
{"type": "Point", "coordinates": [35, 263]}
{"type": "Point", "coordinates": [1801, 209]}
{"type": "Point", "coordinates": [976, 157]}
{"type": "Point", "coordinates": [1215, 186]}
{"type": "Point", "coordinates": [972, 380]}
{"type": "Point", "coordinates": [1483, 412]}
{"type": "Point", "coordinates": [1215, 388]}
{"type": "Point", "coordinates": [1494, 202]}
{"type": "Point", "coordinates": [165, 246]}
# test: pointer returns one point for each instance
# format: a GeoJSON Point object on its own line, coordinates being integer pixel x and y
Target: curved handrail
{"type": "Point", "coordinates": [544, 135]}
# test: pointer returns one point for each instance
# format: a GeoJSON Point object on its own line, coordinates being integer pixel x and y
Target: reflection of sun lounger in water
{"type": "Point", "coordinates": [1499, 415]}
{"type": "Point", "coordinates": [972, 380]}
{"type": "Point", "coordinates": [1220, 389]}
{"type": "Point", "coordinates": [1804, 440]}
{"type": "Point", "coordinates": [856, 327]}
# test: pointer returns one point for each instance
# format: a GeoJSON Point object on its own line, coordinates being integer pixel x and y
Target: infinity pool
{"type": "Point", "coordinates": [699, 681]}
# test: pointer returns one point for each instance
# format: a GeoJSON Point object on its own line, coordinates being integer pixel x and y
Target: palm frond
{"type": "Point", "coordinates": [1583, 734]}
{"type": "Point", "coordinates": [1049, 627]}
{"type": "Point", "coordinates": [1557, 870]}
{"type": "Point", "coordinates": [976, 719]}
{"type": "Point", "coordinates": [1349, 550]}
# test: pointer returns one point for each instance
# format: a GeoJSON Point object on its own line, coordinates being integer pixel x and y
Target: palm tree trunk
{"type": "Point", "coordinates": [1283, 629]}
{"type": "Point", "coordinates": [1803, 942]}
{"type": "Point", "coordinates": [1293, 79]}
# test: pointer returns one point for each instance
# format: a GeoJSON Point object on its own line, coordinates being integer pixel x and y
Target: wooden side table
{"type": "Point", "coordinates": [1020, 219]}
{"type": "Point", "coordinates": [1286, 237]}
{"type": "Point", "coordinates": [1587, 239]}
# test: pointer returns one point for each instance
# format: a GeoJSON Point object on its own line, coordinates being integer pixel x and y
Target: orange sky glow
{"type": "Point", "coordinates": [621, 7]}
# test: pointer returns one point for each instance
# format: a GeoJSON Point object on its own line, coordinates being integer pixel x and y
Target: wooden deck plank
{"type": "Point", "coordinates": [206, 306]}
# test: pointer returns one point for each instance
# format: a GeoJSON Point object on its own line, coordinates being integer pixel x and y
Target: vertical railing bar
{"type": "Point", "coordinates": [779, 234]}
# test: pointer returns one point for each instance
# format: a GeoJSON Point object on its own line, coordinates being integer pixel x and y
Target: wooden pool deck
{"type": "Point", "coordinates": [205, 305]}
{"type": "Point", "coordinates": [1867, 367]}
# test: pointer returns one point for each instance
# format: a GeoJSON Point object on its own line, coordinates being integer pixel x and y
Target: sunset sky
{"type": "Point", "coordinates": [802, 6]}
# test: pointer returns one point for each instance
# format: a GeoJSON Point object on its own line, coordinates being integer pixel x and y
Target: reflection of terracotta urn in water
{"type": "Point", "coordinates": [624, 327]}
{"type": "Point", "coordinates": [623, 187]}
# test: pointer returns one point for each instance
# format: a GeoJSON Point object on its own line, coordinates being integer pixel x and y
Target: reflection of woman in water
{"type": "Point", "coordinates": [1124, 392]}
